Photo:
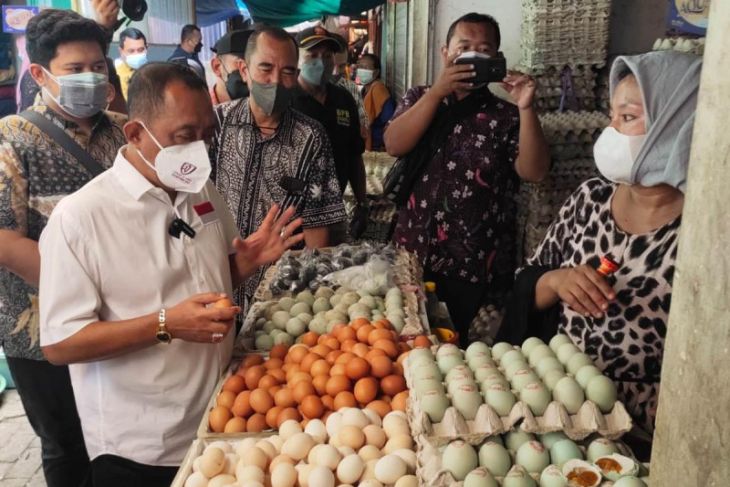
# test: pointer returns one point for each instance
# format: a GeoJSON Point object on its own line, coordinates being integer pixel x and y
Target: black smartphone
{"type": "Point", "coordinates": [488, 69]}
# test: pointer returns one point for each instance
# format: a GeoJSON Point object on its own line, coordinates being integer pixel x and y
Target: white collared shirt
{"type": "Point", "coordinates": [106, 255]}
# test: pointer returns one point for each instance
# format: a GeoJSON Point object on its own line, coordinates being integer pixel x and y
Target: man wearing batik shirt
{"type": "Point", "coordinates": [266, 152]}
{"type": "Point", "coordinates": [459, 218]}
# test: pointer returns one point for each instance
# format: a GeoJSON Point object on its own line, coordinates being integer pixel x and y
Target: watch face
{"type": "Point", "coordinates": [164, 336]}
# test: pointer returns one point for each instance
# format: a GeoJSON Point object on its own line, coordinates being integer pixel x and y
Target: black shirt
{"type": "Point", "coordinates": [339, 117]}
{"type": "Point", "coordinates": [181, 56]}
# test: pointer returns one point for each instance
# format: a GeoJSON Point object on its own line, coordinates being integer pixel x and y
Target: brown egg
{"type": "Point", "coordinates": [328, 402]}
{"type": "Point", "coordinates": [290, 373]}
{"type": "Point", "coordinates": [332, 343]}
{"type": "Point", "coordinates": [235, 425]}
{"type": "Point", "coordinates": [365, 390]}
{"type": "Point", "coordinates": [312, 407]}
{"type": "Point", "coordinates": [256, 423]}
{"type": "Point", "coordinates": [357, 368]}
{"type": "Point", "coordinates": [385, 399]}
{"type": "Point", "coordinates": [321, 350]}
{"type": "Point", "coordinates": [308, 360]}
{"type": "Point", "coordinates": [261, 400]}
{"type": "Point", "coordinates": [388, 347]}
{"type": "Point", "coordinates": [363, 332]}
{"type": "Point", "coordinates": [251, 360]}
{"type": "Point", "coordinates": [380, 407]}
{"type": "Point", "coordinates": [338, 369]}
{"type": "Point", "coordinates": [284, 398]}
{"type": "Point", "coordinates": [347, 333]}
{"type": "Point", "coordinates": [279, 374]}
{"type": "Point", "coordinates": [378, 334]}
{"type": "Point", "coordinates": [393, 384]}
{"type": "Point", "coordinates": [253, 376]}
{"type": "Point", "coordinates": [323, 338]}
{"type": "Point", "coordinates": [346, 346]}
{"type": "Point", "coordinates": [332, 356]}
{"type": "Point", "coordinates": [272, 415]}
{"type": "Point", "coordinates": [403, 347]}
{"type": "Point", "coordinates": [302, 390]}
{"type": "Point", "coordinates": [267, 382]}
{"type": "Point", "coordinates": [358, 323]}
{"type": "Point", "coordinates": [218, 418]}
{"type": "Point", "coordinates": [336, 329]}
{"type": "Point", "coordinates": [223, 303]}
{"type": "Point", "coordinates": [337, 384]}
{"type": "Point", "coordinates": [421, 341]}
{"type": "Point", "coordinates": [398, 368]}
{"type": "Point", "coordinates": [242, 404]}
{"type": "Point", "coordinates": [297, 353]}
{"type": "Point", "coordinates": [320, 383]}
{"type": "Point", "coordinates": [288, 366]}
{"type": "Point", "coordinates": [310, 339]}
{"type": "Point", "coordinates": [373, 352]}
{"type": "Point", "coordinates": [274, 389]}
{"type": "Point", "coordinates": [225, 399]}
{"type": "Point", "coordinates": [273, 363]}
{"type": "Point", "coordinates": [400, 401]}
{"type": "Point", "coordinates": [380, 366]}
{"type": "Point", "coordinates": [278, 351]}
{"type": "Point", "coordinates": [345, 358]}
{"type": "Point", "coordinates": [235, 384]}
{"type": "Point", "coordinates": [360, 349]}
{"type": "Point", "coordinates": [320, 367]}
{"type": "Point", "coordinates": [288, 413]}
{"type": "Point", "coordinates": [345, 399]}
{"type": "Point", "coordinates": [298, 377]}
{"type": "Point", "coordinates": [383, 325]}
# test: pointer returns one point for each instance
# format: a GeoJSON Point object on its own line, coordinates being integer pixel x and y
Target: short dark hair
{"type": "Point", "coordinates": [146, 95]}
{"type": "Point", "coordinates": [276, 32]}
{"type": "Point", "coordinates": [131, 33]}
{"type": "Point", "coordinates": [52, 27]}
{"type": "Point", "coordinates": [475, 18]}
{"type": "Point", "coordinates": [372, 57]}
{"type": "Point", "coordinates": [188, 31]}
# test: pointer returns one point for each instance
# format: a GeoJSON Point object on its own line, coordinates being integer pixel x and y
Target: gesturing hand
{"type": "Point", "coordinates": [107, 12]}
{"type": "Point", "coordinates": [193, 321]}
{"type": "Point", "coordinates": [521, 88]}
{"type": "Point", "coordinates": [583, 289]}
{"type": "Point", "coordinates": [266, 245]}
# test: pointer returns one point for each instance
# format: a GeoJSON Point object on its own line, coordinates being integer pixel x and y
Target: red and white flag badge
{"type": "Point", "coordinates": [206, 212]}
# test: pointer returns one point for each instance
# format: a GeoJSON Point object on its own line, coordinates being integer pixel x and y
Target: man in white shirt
{"type": "Point", "coordinates": [129, 266]}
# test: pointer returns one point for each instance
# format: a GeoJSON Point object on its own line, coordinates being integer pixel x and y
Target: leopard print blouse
{"type": "Point", "coordinates": [628, 342]}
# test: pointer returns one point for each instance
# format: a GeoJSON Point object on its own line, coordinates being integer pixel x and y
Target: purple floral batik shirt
{"type": "Point", "coordinates": [459, 219]}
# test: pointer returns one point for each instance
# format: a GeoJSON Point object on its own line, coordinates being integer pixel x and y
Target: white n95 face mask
{"type": "Point", "coordinates": [615, 154]}
{"type": "Point", "coordinates": [183, 167]}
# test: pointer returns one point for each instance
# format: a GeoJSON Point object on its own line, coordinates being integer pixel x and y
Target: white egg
{"type": "Point", "coordinates": [317, 430]}
{"type": "Point", "coordinates": [289, 428]}
{"type": "Point", "coordinates": [354, 417]}
{"type": "Point", "coordinates": [212, 462]}
{"type": "Point", "coordinates": [408, 456]}
{"type": "Point", "coordinates": [222, 480]}
{"type": "Point", "coordinates": [298, 446]}
{"type": "Point", "coordinates": [196, 464]}
{"type": "Point", "coordinates": [268, 448]}
{"type": "Point", "coordinates": [276, 441]}
{"type": "Point", "coordinates": [244, 445]}
{"type": "Point", "coordinates": [350, 469]}
{"type": "Point", "coordinates": [224, 446]}
{"type": "Point", "coordinates": [370, 483]}
{"type": "Point", "coordinates": [326, 456]}
{"type": "Point", "coordinates": [390, 468]}
{"type": "Point", "coordinates": [398, 442]}
{"type": "Point", "coordinates": [283, 475]}
{"type": "Point", "coordinates": [321, 477]}
{"type": "Point", "coordinates": [407, 481]}
{"type": "Point", "coordinates": [345, 451]}
{"type": "Point", "coordinates": [373, 417]}
{"type": "Point", "coordinates": [374, 435]}
{"type": "Point", "coordinates": [245, 473]}
{"type": "Point", "coordinates": [334, 424]}
{"type": "Point", "coordinates": [231, 462]}
{"type": "Point", "coordinates": [254, 456]}
{"type": "Point", "coordinates": [197, 479]}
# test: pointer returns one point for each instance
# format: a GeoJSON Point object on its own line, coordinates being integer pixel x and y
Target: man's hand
{"type": "Point", "coordinates": [107, 12]}
{"type": "Point", "coordinates": [521, 88]}
{"type": "Point", "coordinates": [274, 237]}
{"type": "Point", "coordinates": [194, 321]}
{"type": "Point", "coordinates": [452, 78]}
{"type": "Point", "coordinates": [583, 289]}
{"type": "Point", "coordinates": [359, 222]}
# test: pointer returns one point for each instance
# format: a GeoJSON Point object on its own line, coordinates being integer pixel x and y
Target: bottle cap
{"type": "Point", "coordinates": [430, 286]}
{"type": "Point", "coordinates": [607, 266]}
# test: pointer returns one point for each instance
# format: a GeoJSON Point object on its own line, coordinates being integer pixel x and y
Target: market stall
{"type": "Point", "coordinates": [337, 379]}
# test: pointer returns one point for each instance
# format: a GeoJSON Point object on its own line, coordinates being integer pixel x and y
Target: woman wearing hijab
{"type": "Point", "coordinates": [379, 105]}
{"type": "Point", "coordinates": [632, 217]}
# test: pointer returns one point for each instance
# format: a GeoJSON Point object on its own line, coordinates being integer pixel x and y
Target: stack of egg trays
{"type": "Point", "coordinates": [550, 86]}
{"type": "Point", "coordinates": [431, 473]}
{"type": "Point", "coordinates": [682, 44]}
{"type": "Point", "coordinates": [555, 33]}
{"type": "Point", "coordinates": [486, 324]}
{"type": "Point", "coordinates": [587, 421]}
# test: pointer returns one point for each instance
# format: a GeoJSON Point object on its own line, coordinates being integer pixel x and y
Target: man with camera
{"type": "Point", "coordinates": [469, 149]}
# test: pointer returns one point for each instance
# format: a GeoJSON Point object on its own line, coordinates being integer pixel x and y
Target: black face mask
{"type": "Point", "coordinates": [235, 86]}
{"type": "Point", "coordinates": [198, 47]}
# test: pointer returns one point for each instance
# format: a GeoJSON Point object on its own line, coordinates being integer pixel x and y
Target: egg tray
{"type": "Point", "coordinates": [588, 420]}
{"type": "Point", "coordinates": [197, 448]}
{"type": "Point", "coordinates": [431, 473]}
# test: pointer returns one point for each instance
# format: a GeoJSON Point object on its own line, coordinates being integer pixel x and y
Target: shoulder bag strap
{"type": "Point", "coordinates": [64, 140]}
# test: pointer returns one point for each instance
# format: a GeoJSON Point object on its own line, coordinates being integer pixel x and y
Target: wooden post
{"type": "Point", "coordinates": [693, 424]}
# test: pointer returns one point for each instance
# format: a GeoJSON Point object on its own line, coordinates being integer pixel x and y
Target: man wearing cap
{"type": "Point", "coordinates": [229, 52]}
{"type": "Point", "coordinates": [340, 78]}
{"type": "Point", "coordinates": [336, 110]}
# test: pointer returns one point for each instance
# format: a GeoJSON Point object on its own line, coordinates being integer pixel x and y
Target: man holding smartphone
{"type": "Point", "coordinates": [459, 216]}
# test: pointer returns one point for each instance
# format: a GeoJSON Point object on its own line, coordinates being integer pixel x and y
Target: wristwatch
{"type": "Point", "coordinates": [163, 336]}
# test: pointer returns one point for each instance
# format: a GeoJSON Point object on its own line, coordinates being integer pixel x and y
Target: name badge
{"type": "Point", "coordinates": [343, 117]}
{"type": "Point", "coordinates": [206, 212]}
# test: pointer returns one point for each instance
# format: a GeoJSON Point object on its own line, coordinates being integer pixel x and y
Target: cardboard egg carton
{"type": "Point", "coordinates": [588, 420]}
{"type": "Point", "coordinates": [197, 448]}
{"type": "Point", "coordinates": [430, 471]}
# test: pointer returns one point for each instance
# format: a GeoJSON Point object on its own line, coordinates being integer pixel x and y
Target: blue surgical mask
{"type": "Point", "coordinates": [312, 71]}
{"type": "Point", "coordinates": [365, 76]}
{"type": "Point", "coordinates": [136, 61]}
{"type": "Point", "coordinates": [81, 95]}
